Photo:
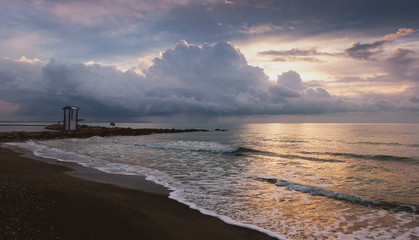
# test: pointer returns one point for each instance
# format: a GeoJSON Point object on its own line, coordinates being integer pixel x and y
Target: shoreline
{"type": "Point", "coordinates": [134, 182]}
{"type": "Point", "coordinates": [75, 197]}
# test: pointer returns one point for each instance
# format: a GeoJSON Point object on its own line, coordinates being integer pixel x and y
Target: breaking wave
{"type": "Point", "coordinates": [246, 151]}
{"type": "Point", "coordinates": [185, 146]}
{"type": "Point", "coordinates": [396, 207]}
{"type": "Point", "coordinates": [196, 146]}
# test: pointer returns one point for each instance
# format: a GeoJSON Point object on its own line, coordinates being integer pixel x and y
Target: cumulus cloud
{"type": "Point", "coordinates": [318, 93]}
{"type": "Point", "coordinates": [210, 79]}
{"type": "Point", "coordinates": [290, 79]}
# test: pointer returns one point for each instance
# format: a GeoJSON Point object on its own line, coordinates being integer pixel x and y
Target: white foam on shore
{"type": "Point", "coordinates": [45, 151]}
{"type": "Point", "coordinates": [175, 196]}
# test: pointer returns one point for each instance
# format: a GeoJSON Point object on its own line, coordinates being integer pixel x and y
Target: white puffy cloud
{"type": "Point", "coordinates": [211, 71]}
{"type": "Point", "coordinates": [291, 79]}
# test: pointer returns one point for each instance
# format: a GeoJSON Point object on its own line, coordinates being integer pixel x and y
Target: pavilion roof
{"type": "Point", "coordinates": [71, 108]}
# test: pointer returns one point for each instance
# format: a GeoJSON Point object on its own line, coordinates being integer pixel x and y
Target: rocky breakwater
{"type": "Point", "coordinates": [85, 131]}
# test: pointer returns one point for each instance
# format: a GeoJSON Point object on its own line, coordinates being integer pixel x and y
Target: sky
{"type": "Point", "coordinates": [167, 60]}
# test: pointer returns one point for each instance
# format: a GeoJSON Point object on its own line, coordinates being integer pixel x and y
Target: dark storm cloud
{"type": "Point", "coordinates": [401, 66]}
{"type": "Point", "coordinates": [230, 20]}
{"type": "Point", "coordinates": [96, 29]}
{"type": "Point", "coordinates": [79, 30]}
{"type": "Point", "coordinates": [365, 51]}
{"type": "Point", "coordinates": [207, 80]}
{"type": "Point", "coordinates": [213, 80]}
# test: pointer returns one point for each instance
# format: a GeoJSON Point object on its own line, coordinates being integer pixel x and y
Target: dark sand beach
{"type": "Point", "coordinates": [38, 200]}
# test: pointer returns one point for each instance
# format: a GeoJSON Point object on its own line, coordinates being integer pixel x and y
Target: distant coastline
{"type": "Point", "coordinates": [26, 125]}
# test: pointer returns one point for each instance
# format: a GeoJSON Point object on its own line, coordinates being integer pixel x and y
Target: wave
{"type": "Point", "coordinates": [214, 147]}
{"type": "Point", "coordinates": [241, 151]}
{"type": "Point", "coordinates": [313, 159]}
{"type": "Point", "coordinates": [366, 156]}
{"type": "Point", "coordinates": [44, 151]}
{"type": "Point", "coordinates": [391, 206]}
{"type": "Point", "coordinates": [197, 146]}
{"type": "Point", "coordinates": [376, 143]}
{"type": "Point", "coordinates": [185, 146]}
{"type": "Point", "coordinates": [386, 144]}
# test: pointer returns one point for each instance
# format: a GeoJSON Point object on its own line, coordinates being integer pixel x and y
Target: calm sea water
{"type": "Point", "coordinates": [24, 126]}
{"type": "Point", "coordinates": [295, 181]}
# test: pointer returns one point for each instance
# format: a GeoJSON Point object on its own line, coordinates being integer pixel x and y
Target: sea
{"type": "Point", "coordinates": [290, 181]}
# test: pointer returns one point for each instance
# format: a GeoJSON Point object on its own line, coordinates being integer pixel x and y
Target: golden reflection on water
{"type": "Point", "coordinates": [299, 153]}
{"type": "Point", "coordinates": [304, 217]}
{"type": "Point", "coordinates": [294, 209]}
{"type": "Point", "coordinates": [330, 153]}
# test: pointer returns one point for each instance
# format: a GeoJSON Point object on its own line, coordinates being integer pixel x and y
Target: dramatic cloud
{"type": "Point", "coordinates": [291, 79]}
{"type": "Point", "coordinates": [211, 79]}
{"type": "Point", "coordinates": [97, 29]}
{"type": "Point", "coordinates": [367, 51]}
{"type": "Point", "coordinates": [345, 56]}
{"type": "Point", "coordinates": [357, 50]}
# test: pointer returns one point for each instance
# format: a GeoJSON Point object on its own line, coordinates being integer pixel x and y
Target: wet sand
{"type": "Point", "coordinates": [39, 200]}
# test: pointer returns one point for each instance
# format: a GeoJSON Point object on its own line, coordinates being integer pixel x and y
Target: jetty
{"type": "Point", "coordinates": [57, 131]}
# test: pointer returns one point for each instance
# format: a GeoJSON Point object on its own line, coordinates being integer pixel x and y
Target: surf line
{"type": "Point", "coordinates": [391, 206]}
